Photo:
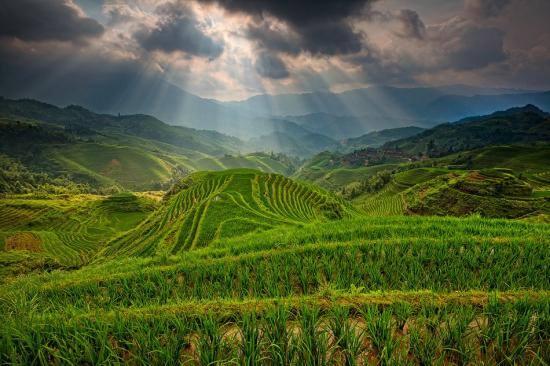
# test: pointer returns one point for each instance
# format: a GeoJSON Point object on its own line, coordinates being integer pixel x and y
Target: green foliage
{"type": "Point", "coordinates": [213, 205]}
{"type": "Point", "coordinates": [16, 178]}
{"type": "Point", "coordinates": [488, 193]}
{"type": "Point", "coordinates": [369, 185]}
{"type": "Point", "coordinates": [517, 125]}
{"type": "Point", "coordinates": [68, 229]}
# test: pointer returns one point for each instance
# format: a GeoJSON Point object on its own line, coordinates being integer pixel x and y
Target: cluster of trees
{"type": "Point", "coordinates": [369, 185]}
{"type": "Point", "coordinates": [15, 178]}
{"type": "Point", "coordinates": [16, 136]}
{"type": "Point", "coordinates": [292, 162]}
{"type": "Point", "coordinates": [179, 172]}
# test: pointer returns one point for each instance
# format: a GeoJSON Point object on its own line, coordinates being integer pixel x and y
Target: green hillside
{"type": "Point", "coordinates": [113, 165]}
{"type": "Point", "coordinates": [108, 159]}
{"type": "Point", "coordinates": [207, 206]}
{"type": "Point", "coordinates": [464, 184]}
{"type": "Point", "coordinates": [502, 139]}
{"type": "Point", "coordinates": [490, 193]}
{"type": "Point", "coordinates": [82, 122]}
{"type": "Point", "coordinates": [516, 125]}
{"type": "Point", "coordinates": [247, 266]}
{"type": "Point", "coordinates": [42, 231]}
{"type": "Point", "coordinates": [387, 290]}
{"type": "Point", "coordinates": [379, 138]}
{"type": "Point", "coordinates": [326, 170]}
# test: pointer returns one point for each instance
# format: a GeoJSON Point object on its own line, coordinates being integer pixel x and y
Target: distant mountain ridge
{"type": "Point", "coordinates": [515, 125]}
{"type": "Point", "coordinates": [336, 115]}
{"type": "Point", "coordinates": [378, 138]}
{"type": "Point", "coordinates": [79, 119]}
{"type": "Point", "coordinates": [425, 105]}
{"type": "Point", "coordinates": [107, 153]}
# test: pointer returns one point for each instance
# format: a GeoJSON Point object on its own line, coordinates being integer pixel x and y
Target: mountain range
{"type": "Point", "coordinates": [336, 115]}
{"type": "Point", "coordinates": [516, 125]}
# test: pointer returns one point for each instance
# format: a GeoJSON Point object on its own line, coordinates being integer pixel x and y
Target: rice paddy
{"type": "Point", "coordinates": [244, 267]}
{"type": "Point", "coordinates": [216, 205]}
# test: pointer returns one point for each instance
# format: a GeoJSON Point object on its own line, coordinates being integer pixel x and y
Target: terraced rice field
{"type": "Point", "coordinates": [378, 290]}
{"type": "Point", "coordinates": [387, 202]}
{"type": "Point", "coordinates": [411, 177]}
{"type": "Point", "coordinates": [68, 230]}
{"type": "Point", "coordinates": [243, 267]}
{"type": "Point", "coordinates": [217, 205]}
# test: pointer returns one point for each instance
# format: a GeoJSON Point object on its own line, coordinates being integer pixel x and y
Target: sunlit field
{"type": "Point", "coordinates": [274, 182]}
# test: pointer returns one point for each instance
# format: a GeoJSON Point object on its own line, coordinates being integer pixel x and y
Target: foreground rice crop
{"type": "Point", "coordinates": [251, 268]}
{"type": "Point", "coordinates": [362, 290]}
{"type": "Point", "coordinates": [336, 329]}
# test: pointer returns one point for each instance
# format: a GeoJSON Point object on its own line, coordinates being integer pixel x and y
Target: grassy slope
{"type": "Point", "coordinates": [392, 276]}
{"type": "Point", "coordinates": [68, 229]}
{"type": "Point", "coordinates": [212, 205]}
{"type": "Point", "coordinates": [137, 164]}
{"type": "Point", "coordinates": [128, 167]}
{"type": "Point", "coordinates": [529, 163]}
{"type": "Point", "coordinates": [130, 152]}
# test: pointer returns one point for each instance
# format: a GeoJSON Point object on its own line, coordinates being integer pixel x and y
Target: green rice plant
{"type": "Point", "coordinates": [213, 346]}
{"type": "Point", "coordinates": [251, 341]}
{"type": "Point", "coordinates": [379, 325]}
{"type": "Point", "coordinates": [512, 334]}
{"type": "Point", "coordinates": [424, 345]}
{"type": "Point", "coordinates": [280, 339]}
{"type": "Point", "coordinates": [402, 312]}
{"type": "Point", "coordinates": [348, 336]}
{"type": "Point", "coordinates": [313, 340]}
{"type": "Point", "coordinates": [455, 337]}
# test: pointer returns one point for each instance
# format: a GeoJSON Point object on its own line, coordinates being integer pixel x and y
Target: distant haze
{"type": "Point", "coordinates": [178, 59]}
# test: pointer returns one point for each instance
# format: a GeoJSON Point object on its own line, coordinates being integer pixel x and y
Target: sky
{"type": "Point", "coordinates": [233, 49]}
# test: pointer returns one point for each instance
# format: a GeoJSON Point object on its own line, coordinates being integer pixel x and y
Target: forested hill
{"type": "Point", "coordinates": [378, 138]}
{"type": "Point", "coordinates": [80, 121]}
{"type": "Point", "coordinates": [515, 125]}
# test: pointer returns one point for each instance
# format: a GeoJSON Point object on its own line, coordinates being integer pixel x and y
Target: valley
{"type": "Point", "coordinates": [274, 183]}
{"type": "Point", "coordinates": [120, 243]}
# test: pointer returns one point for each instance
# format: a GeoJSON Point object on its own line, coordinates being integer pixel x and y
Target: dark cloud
{"type": "Point", "coordinates": [319, 27]}
{"type": "Point", "coordinates": [297, 13]}
{"type": "Point", "coordinates": [481, 9]}
{"type": "Point", "coordinates": [271, 66]}
{"type": "Point", "coordinates": [464, 46]}
{"type": "Point", "coordinates": [274, 39]}
{"type": "Point", "coordinates": [330, 38]}
{"type": "Point", "coordinates": [65, 75]}
{"type": "Point", "coordinates": [178, 30]}
{"type": "Point", "coordinates": [45, 20]}
{"type": "Point", "coordinates": [457, 45]}
{"type": "Point", "coordinates": [385, 69]}
{"type": "Point", "coordinates": [411, 26]}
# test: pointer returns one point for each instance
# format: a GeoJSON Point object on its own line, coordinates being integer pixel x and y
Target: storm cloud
{"type": "Point", "coordinates": [45, 20]}
{"type": "Point", "coordinates": [481, 9]}
{"type": "Point", "coordinates": [271, 66]}
{"type": "Point", "coordinates": [411, 26]}
{"type": "Point", "coordinates": [470, 47]}
{"type": "Point", "coordinates": [317, 27]}
{"type": "Point", "coordinates": [100, 52]}
{"type": "Point", "coordinates": [178, 30]}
